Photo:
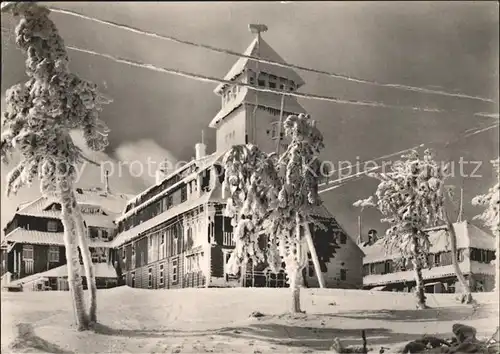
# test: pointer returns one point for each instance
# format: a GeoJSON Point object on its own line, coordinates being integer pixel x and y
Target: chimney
{"type": "Point", "coordinates": [158, 176]}
{"type": "Point", "coordinates": [200, 148]}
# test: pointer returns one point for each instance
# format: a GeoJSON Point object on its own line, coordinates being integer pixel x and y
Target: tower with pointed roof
{"type": "Point", "coordinates": [251, 116]}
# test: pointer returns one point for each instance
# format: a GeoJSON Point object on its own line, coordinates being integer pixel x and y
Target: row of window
{"type": "Point", "coordinates": [99, 255]}
{"type": "Point", "coordinates": [28, 253]}
{"type": "Point", "coordinates": [161, 275]}
{"type": "Point", "coordinates": [433, 260]}
{"type": "Point", "coordinates": [160, 188]}
{"type": "Point", "coordinates": [271, 81]}
{"type": "Point", "coordinates": [99, 234]}
{"type": "Point", "coordinates": [94, 232]}
{"type": "Point", "coordinates": [482, 256]}
{"type": "Point", "coordinates": [263, 80]}
{"type": "Point", "coordinates": [166, 202]}
{"type": "Point", "coordinates": [168, 244]}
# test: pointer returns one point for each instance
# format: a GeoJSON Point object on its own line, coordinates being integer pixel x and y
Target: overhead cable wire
{"type": "Point", "coordinates": [466, 133]}
{"type": "Point", "coordinates": [268, 61]}
{"type": "Point", "coordinates": [342, 181]}
{"type": "Point", "coordinates": [212, 79]}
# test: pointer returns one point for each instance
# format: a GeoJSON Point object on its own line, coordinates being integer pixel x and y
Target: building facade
{"type": "Point", "coordinates": [476, 252]}
{"type": "Point", "coordinates": [33, 253]}
{"type": "Point", "coordinates": [174, 234]}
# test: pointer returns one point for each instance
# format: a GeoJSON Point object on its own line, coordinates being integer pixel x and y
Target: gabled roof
{"type": "Point", "coordinates": [468, 236]}
{"type": "Point", "coordinates": [264, 100]}
{"type": "Point", "coordinates": [112, 204]}
{"type": "Point", "coordinates": [109, 202]}
{"type": "Point", "coordinates": [322, 212]}
{"type": "Point", "coordinates": [34, 237]}
{"type": "Point", "coordinates": [260, 48]}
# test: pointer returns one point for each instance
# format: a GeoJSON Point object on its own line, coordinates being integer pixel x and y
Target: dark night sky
{"type": "Point", "coordinates": [448, 45]}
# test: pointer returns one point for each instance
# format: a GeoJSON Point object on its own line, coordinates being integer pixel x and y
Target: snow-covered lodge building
{"type": "Point", "coordinates": [33, 253]}
{"type": "Point", "coordinates": [174, 234]}
{"type": "Point", "coordinates": [476, 254]}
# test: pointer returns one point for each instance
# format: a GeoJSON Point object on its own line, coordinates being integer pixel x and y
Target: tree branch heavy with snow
{"type": "Point", "coordinates": [39, 117]}
{"type": "Point", "coordinates": [411, 197]}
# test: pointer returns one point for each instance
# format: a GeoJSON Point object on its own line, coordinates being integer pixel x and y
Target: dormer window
{"type": "Point", "coordinates": [52, 226]}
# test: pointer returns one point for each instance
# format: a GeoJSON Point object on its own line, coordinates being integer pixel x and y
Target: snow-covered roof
{"type": "Point", "coordinates": [44, 238]}
{"type": "Point", "coordinates": [178, 209]}
{"type": "Point", "coordinates": [202, 164]}
{"type": "Point", "coordinates": [468, 236]}
{"type": "Point", "coordinates": [264, 100]}
{"type": "Point", "coordinates": [260, 48]}
{"type": "Point", "coordinates": [466, 267]}
{"type": "Point", "coordinates": [110, 203]}
{"type": "Point", "coordinates": [96, 220]}
{"type": "Point", "coordinates": [101, 270]}
{"type": "Point", "coordinates": [409, 275]}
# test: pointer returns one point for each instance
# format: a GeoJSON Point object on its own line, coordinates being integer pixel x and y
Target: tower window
{"type": "Point", "coordinates": [262, 83]}
{"type": "Point", "coordinates": [272, 81]}
{"type": "Point", "coordinates": [252, 80]}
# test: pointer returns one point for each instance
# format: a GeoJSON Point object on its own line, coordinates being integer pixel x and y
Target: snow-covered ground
{"type": "Point", "coordinates": [218, 321]}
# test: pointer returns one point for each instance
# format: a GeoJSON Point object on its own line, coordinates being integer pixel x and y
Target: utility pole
{"type": "Point", "coordinates": [461, 207]}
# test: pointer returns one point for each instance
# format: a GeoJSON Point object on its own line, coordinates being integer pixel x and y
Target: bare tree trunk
{"type": "Point", "coordinates": [314, 256]}
{"type": "Point", "coordinates": [417, 266]}
{"type": "Point", "coordinates": [295, 270]}
{"type": "Point", "coordinates": [497, 264]}
{"type": "Point", "coordinates": [82, 234]}
{"type": "Point", "coordinates": [243, 275]}
{"type": "Point", "coordinates": [466, 293]}
{"type": "Point", "coordinates": [68, 204]}
{"type": "Point", "coordinates": [295, 280]}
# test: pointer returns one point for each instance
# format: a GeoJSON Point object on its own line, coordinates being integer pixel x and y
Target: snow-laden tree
{"type": "Point", "coordinates": [251, 183]}
{"type": "Point", "coordinates": [490, 218]}
{"type": "Point", "coordinates": [298, 198]}
{"type": "Point", "coordinates": [411, 198]}
{"type": "Point", "coordinates": [39, 117]}
{"type": "Point", "coordinates": [275, 199]}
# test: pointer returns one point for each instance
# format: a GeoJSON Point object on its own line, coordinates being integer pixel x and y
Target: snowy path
{"type": "Point", "coordinates": [217, 320]}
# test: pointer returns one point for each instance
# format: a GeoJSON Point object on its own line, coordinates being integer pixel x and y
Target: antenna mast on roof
{"type": "Point", "coordinates": [106, 182]}
{"type": "Point", "coordinates": [461, 207]}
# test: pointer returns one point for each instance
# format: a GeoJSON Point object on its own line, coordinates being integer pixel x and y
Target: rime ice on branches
{"type": "Point", "coordinates": [39, 117]}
